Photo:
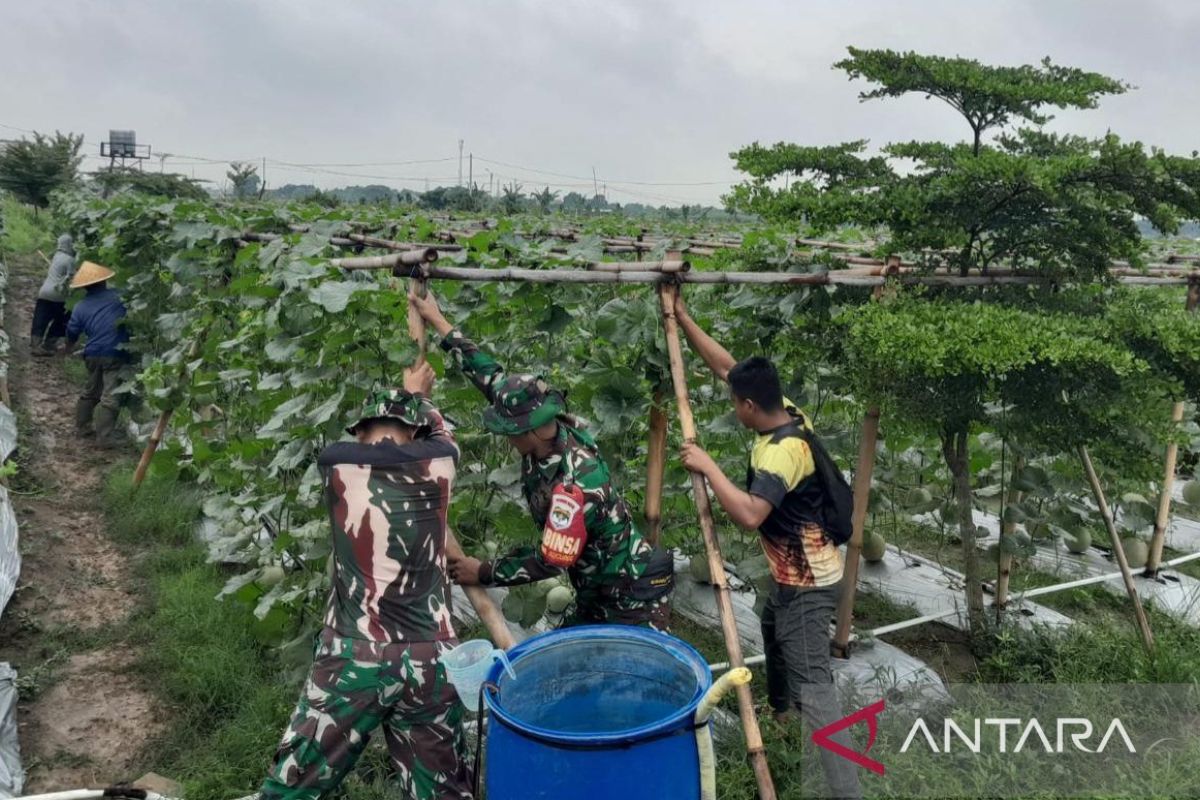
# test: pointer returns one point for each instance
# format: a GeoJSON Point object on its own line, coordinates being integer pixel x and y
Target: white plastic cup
{"type": "Point", "coordinates": [467, 667]}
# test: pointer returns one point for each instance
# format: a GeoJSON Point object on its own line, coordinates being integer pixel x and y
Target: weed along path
{"type": "Point", "coordinates": [84, 714]}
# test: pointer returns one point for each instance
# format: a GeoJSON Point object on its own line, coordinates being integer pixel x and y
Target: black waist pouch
{"type": "Point", "coordinates": [658, 580]}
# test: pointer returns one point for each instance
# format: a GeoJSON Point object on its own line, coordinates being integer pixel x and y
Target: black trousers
{"type": "Point", "coordinates": [49, 321]}
{"type": "Point", "coordinates": [795, 628]}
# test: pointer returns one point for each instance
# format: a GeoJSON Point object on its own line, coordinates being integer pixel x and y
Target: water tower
{"type": "Point", "coordinates": [122, 146]}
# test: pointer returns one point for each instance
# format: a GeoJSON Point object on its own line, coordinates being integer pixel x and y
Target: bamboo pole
{"type": "Point", "coordinates": [408, 258]}
{"type": "Point", "coordinates": [666, 267]}
{"type": "Point", "coordinates": [491, 617]}
{"type": "Point", "coordinates": [1163, 518]}
{"type": "Point", "coordinates": [1118, 549]}
{"type": "Point", "coordinates": [1008, 527]}
{"type": "Point", "coordinates": [388, 244]}
{"type": "Point", "coordinates": [160, 427]}
{"type": "Point", "coordinates": [716, 562]}
{"type": "Point", "coordinates": [862, 496]}
{"type": "Point", "coordinates": [652, 273]}
{"type": "Point", "coordinates": [656, 465]}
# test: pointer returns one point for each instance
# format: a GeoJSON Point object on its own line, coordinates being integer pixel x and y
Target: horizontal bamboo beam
{"type": "Point", "coordinates": [640, 266]}
{"type": "Point", "coordinates": [388, 244]}
{"type": "Point", "coordinates": [652, 272]}
{"type": "Point", "coordinates": [409, 258]}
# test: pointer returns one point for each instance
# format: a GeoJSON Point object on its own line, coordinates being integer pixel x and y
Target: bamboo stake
{"type": "Point", "coordinates": [840, 646]}
{"type": "Point", "coordinates": [160, 427]}
{"type": "Point", "coordinates": [716, 562]}
{"type": "Point", "coordinates": [486, 610]}
{"type": "Point", "coordinates": [1118, 549]}
{"type": "Point", "coordinates": [656, 465]}
{"type": "Point", "coordinates": [44, 257]}
{"type": "Point", "coordinates": [1163, 518]}
{"type": "Point", "coordinates": [1007, 529]}
{"type": "Point", "coordinates": [862, 496]}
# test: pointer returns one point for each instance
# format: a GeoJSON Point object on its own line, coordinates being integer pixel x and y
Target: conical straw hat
{"type": "Point", "coordinates": [89, 273]}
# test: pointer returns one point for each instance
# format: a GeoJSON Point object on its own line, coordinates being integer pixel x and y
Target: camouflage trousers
{"type": "Point", "coordinates": [356, 686]}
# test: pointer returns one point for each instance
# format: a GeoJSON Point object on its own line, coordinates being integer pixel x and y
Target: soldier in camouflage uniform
{"type": "Point", "coordinates": [617, 575]}
{"type": "Point", "coordinates": [388, 618]}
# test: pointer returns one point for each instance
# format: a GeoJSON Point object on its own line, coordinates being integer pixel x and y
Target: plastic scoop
{"type": "Point", "coordinates": [467, 667]}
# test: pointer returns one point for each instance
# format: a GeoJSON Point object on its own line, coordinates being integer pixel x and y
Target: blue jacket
{"type": "Point", "coordinates": [99, 315]}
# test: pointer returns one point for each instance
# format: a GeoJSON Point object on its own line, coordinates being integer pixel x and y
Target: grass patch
{"type": "Point", "coordinates": [228, 694]}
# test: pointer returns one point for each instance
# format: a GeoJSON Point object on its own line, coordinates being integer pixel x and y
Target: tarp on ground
{"type": "Point", "coordinates": [10, 556]}
{"type": "Point", "coordinates": [12, 777]}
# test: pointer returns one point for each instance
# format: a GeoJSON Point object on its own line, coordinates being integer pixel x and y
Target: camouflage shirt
{"type": "Point", "coordinates": [387, 505]}
{"type": "Point", "coordinates": [615, 554]}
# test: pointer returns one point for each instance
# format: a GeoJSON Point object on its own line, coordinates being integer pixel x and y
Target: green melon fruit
{"type": "Point", "coordinates": [1136, 551]}
{"type": "Point", "coordinates": [1080, 542]}
{"type": "Point", "coordinates": [874, 547]}
{"type": "Point", "coordinates": [559, 598]}
{"type": "Point", "coordinates": [271, 575]}
{"type": "Point", "coordinates": [699, 569]}
{"type": "Point", "coordinates": [918, 497]}
{"type": "Point", "coordinates": [1191, 493]}
{"type": "Point", "coordinates": [543, 588]}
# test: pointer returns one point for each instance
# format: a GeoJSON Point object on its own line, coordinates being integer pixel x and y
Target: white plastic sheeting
{"type": "Point", "coordinates": [10, 556]}
{"type": "Point", "coordinates": [12, 777]}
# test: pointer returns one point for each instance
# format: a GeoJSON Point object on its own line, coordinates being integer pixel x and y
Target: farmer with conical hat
{"type": "Point", "coordinates": [387, 620]}
{"type": "Point", "coordinates": [99, 316]}
{"type": "Point", "coordinates": [50, 312]}
{"type": "Point", "coordinates": [587, 527]}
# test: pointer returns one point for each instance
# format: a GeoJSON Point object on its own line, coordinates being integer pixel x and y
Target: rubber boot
{"type": "Point", "coordinates": [83, 416]}
{"type": "Point", "coordinates": [106, 425]}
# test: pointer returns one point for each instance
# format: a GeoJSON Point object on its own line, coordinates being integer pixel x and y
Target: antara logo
{"type": "Point", "coordinates": [1031, 734]}
{"type": "Point", "coordinates": [870, 714]}
{"type": "Point", "coordinates": [1025, 733]}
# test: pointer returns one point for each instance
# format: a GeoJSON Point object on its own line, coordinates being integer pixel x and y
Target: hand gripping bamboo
{"type": "Point", "coordinates": [491, 617]}
{"type": "Point", "coordinates": [716, 562]}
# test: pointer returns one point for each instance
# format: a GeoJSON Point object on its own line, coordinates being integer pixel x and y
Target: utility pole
{"type": "Point", "coordinates": [460, 151]}
{"type": "Point", "coordinates": [262, 184]}
{"type": "Point", "coordinates": [471, 172]}
{"type": "Point", "coordinates": [595, 186]}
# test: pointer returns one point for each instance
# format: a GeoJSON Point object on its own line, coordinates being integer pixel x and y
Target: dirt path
{"type": "Point", "coordinates": [83, 715]}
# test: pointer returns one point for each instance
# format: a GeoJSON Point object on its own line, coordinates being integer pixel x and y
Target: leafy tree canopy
{"type": "Point", "coordinates": [1061, 204]}
{"type": "Point", "coordinates": [34, 168]}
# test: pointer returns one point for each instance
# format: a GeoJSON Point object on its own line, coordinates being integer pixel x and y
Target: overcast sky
{"type": "Point", "coordinates": [652, 95]}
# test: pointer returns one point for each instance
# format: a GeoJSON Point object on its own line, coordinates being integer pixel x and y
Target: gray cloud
{"type": "Point", "coordinates": [656, 92]}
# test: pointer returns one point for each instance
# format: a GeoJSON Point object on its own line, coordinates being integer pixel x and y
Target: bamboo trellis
{"type": "Point", "coordinates": [418, 261]}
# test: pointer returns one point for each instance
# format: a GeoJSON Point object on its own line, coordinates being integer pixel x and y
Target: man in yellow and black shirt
{"type": "Point", "coordinates": [782, 500]}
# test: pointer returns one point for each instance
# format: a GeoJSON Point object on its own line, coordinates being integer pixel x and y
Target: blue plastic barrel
{"type": "Point", "coordinates": [601, 711]}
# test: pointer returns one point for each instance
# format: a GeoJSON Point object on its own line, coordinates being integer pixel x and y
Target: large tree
{"type": "Point", "coordinates": [1013, 193]}
{"type": "Point", "coordinates": [33, 168]}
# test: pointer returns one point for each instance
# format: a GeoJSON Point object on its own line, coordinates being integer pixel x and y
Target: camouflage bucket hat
{"type": "Point", "coordinates": [395, 404]}
{"type": "Point", "coordinates": [523, 403]}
